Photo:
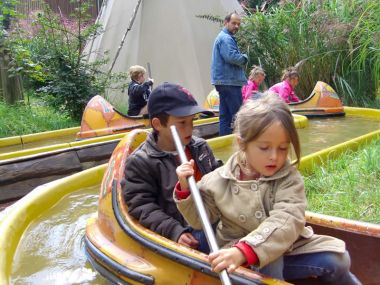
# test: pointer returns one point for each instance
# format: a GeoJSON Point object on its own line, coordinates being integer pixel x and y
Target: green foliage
{"type": "Point", "coordinates": [365, 42]}
{"type": "Point", "coordinates": [326, 42]}
{"type": "Point", "coordinates": [352, 179]}
{"type": "Point", "coordinates": [260, 4]}
{"type": "Point", "coordinates": [36, 117]}
{"type": "Point", "coordinates": [49, 55]}
{"type": "Point", "coordinates": [7, 11]}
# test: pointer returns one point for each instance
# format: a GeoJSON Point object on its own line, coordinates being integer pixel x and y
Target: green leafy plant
{"type": "Point", "coordinates": [332, 41]}
{"type": "Point", "coordinates": [7, 11]}
{"type": "Point", "coordinates": [50, 56]}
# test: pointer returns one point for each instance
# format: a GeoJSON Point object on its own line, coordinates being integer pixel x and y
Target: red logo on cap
{"type": "Point", "coordinates": [187, 92]}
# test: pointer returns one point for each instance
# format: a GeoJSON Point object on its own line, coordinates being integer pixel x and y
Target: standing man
{"type": "Point", "coordinates": [227, 73]}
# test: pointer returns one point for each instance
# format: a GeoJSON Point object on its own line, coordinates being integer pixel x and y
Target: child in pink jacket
{"type": "Point", "coordinates": [256, 77]}
{"type": "Point", "coordinates": [285, 88]}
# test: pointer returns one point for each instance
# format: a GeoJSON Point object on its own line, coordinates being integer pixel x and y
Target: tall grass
{"type": "Point", "coordinates": [326, 41]}
{"type": "Point", "coordinates": [365, 51]}
{"type": "Point", "coordinates": [348, 186]}
{"type": "Point", "coordinates": [36, 117]}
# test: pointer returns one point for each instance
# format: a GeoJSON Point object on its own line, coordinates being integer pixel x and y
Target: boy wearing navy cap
{"type": "Point", "coordinates": [150, 171]}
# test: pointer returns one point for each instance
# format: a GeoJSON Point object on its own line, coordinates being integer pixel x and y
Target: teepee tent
{"type": "Point", "coordinates": [167, 34]}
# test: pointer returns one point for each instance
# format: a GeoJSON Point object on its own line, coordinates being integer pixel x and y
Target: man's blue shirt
{"type": "Point", "coordinates": [227, 63]}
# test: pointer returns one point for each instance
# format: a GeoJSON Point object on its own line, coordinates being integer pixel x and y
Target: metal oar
{"type": "Point", "coordinates": [200, 206]}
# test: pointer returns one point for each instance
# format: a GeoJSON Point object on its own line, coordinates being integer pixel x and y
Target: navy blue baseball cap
{"type": "Point", "coordinates": [173, 100]}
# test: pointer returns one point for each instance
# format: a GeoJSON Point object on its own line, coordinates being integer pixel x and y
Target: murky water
{"type": "Point", "coordinates": [52, 251]}
{"type": "Point", "coordinates": [323, 133]}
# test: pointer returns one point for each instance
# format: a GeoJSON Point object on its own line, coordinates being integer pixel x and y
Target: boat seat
{"type": "Point", "coordinates": [144, 116]}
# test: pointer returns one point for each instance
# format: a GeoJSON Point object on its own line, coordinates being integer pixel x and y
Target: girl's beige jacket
{"type": "Point", "coordinates": [268, 214]}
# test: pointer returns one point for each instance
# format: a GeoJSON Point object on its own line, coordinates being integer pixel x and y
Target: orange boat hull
{"type": "Point", "coordinates": [100, 119]}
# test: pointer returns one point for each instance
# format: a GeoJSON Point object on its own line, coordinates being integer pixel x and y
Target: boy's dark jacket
{"type": "Point", "coordinates": [138, 95]}
{"type": "Point", "coordinates": [150, 180]}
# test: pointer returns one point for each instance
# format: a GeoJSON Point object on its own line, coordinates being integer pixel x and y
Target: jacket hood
{"type": "Point", "coordinates": [229, 170]}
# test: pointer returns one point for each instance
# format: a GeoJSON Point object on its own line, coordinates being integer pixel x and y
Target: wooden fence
{"type": "Point", "coordinates": [59, 6]}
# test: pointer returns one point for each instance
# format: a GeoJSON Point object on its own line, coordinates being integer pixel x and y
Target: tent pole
{"type": "Point", "coordinates": [125, 35]}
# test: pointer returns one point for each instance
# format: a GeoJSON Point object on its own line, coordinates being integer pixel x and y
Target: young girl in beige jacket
{"type": "Point", "coordinates": [258, 201]}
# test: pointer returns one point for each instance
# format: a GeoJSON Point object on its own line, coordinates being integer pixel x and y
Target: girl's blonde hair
{"type": "Point", "coordinates": [256, 70]}
{"type": "Point", "coordinates": [135, 71]}
{"type": "Point", "coordinates": [255, 116]}
{"type": "Point", "coordinates": [289, 73]}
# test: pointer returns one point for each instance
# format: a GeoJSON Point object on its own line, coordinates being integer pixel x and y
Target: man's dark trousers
{"type": "Point", "coordinates": [230, 100]}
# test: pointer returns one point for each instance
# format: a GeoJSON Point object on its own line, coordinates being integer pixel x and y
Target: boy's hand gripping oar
{"type": "Point", "coordinates": [199, 205]}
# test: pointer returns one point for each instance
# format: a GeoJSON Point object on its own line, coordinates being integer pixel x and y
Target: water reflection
{"type": "Point", "coordinates": [52, 250]}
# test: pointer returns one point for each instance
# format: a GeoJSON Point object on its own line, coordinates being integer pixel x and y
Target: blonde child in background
{"type": "Point", "coordinates": [138, 91]}
{"type": "Point", "coordinates": [258, 200]}
{"type": "Point", "coordinates": [285, 88]}
{"type": "Point", "coordinates": [256, 77]}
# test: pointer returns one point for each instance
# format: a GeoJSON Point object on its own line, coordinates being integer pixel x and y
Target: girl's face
{"type": "Point", "coordinates": [268, 153]}
{"type": "Point", "coordinates": [294, 81]}
{"type": "Point", "coordinates": [259, 79]}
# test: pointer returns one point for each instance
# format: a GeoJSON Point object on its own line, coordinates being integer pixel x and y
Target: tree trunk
{"type": "Point", "coordinates": [10, 86]}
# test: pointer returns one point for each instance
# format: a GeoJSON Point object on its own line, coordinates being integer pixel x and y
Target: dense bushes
{"type": "Point", "coordinates": [49, 54]}
{"type": "Point", "coordinates": [337, 42]}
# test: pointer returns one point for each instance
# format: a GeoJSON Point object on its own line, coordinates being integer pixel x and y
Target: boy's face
{"type": "Point", "coordinates": [141, 78]}
{"type": "Point", "coordinates": [184, 126]}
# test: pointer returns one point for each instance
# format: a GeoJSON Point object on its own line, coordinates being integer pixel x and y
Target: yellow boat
{"type": "Point", "coordinates": [124, 251]}
{"type": "Point", "coordinates": [322, 102]}
{"type": "Point", "coordinates": [99, 119]}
